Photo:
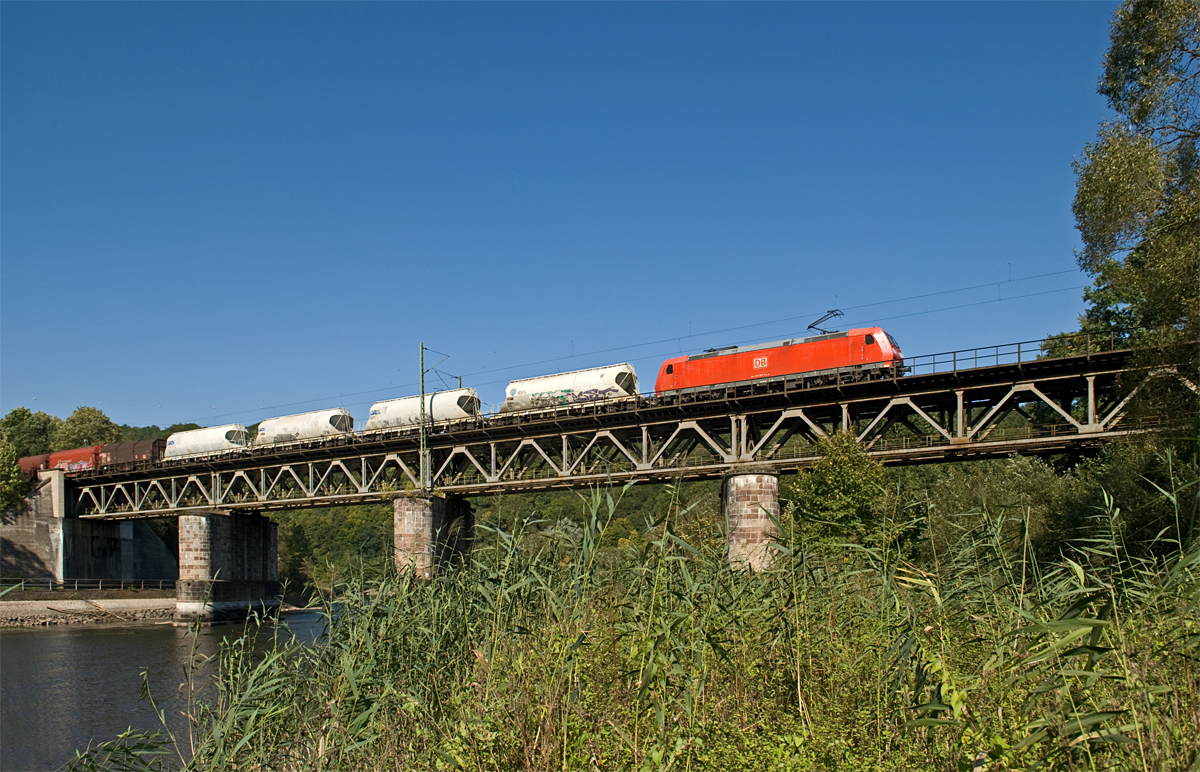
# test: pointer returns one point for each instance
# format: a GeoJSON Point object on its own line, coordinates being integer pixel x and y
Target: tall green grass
{"type": "Point", "coordinates": [557, 653]}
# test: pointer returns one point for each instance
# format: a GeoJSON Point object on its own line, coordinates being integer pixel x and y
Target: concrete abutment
{"type": "Point", "coordinates": [750, 498]}
{"type": "Point", "coordinates": [39, 541]}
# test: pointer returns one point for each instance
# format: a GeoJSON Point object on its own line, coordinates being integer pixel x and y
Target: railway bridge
{"type": "Point", "coordinates": [973, 404]}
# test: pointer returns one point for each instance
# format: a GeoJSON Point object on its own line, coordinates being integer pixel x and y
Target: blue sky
{"type": "Point", "coordinates": [220, 212]}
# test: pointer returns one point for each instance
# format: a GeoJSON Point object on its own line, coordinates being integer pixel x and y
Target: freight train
{"type": "Point", "coordinates": [95, 456]}
{"type": "Point", "coordinates": [856, 355]}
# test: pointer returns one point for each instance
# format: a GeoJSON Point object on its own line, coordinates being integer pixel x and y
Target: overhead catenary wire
{"type": "Point", "coordinates": [738, 328]}
{"type": "Point", "coordinates": [707, 333]}
{"type": "Point", "coordinates": [855, 323]}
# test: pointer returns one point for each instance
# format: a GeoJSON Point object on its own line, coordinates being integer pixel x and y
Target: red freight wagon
{"type": "Point", "coordinates": [30, 465]}
{"type": "Point", "coordinates": [869, 352]}
{"type": "Point", "coordinates": [129, 452]}
{"type": "Point", "coordinates": [77, 459]}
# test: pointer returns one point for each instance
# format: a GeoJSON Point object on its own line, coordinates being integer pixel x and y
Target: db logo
{"type": "Point", "coordinates": [760, 362]}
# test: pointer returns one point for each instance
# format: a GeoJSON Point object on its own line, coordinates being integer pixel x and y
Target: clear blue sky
{"type": "Point", "coordinates": [219, 212]}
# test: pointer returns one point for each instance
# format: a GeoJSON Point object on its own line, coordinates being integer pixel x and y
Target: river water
{"type": "Point", "coordinates": [65, 686]}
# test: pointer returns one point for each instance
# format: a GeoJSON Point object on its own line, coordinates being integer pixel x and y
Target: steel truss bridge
{"type": "Point", "coordinates": [963, 405]}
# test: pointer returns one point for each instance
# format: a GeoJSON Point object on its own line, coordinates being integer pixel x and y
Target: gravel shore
{"type": "Point", "coordinates": [37, 613]}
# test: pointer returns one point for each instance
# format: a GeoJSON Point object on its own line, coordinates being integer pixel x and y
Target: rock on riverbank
{"type": "Point", "coordinates": [37, 613]}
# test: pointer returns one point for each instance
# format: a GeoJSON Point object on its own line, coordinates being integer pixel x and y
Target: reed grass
{"type": "Point", "coordinates": [560, 653]}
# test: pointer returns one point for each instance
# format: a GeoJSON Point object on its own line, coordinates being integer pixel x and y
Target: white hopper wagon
{"type": "Point", "coordinates": [597, 383]}
{"type": "Point", "coordinates": [304, 426]}
{"type": "Point", "coordinates": [215, 439]}
{"type": "Point", "coordinates": [439, 406]}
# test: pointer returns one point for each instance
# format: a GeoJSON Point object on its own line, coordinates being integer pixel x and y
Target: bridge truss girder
{"type": "Point", "coordinates": [1048, 413]}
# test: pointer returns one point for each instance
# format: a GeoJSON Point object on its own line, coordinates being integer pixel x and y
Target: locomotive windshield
{"type": "Point", "coordinates": [895, 345]}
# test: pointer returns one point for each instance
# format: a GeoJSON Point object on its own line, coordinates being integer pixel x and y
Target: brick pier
{"type": "Point", "coordinates": [228, 567]}
{"type": "Point", "coordinates": [751, 499]}
{"type": "Point", "coordinates": [431, 531]}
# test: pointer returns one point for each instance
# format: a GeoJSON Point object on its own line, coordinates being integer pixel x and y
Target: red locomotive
{"type": "Point", "coordinates": [867, 353]}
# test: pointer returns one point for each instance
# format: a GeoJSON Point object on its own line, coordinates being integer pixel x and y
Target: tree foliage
{"type": "Point", "coordinates": [31, 434]}
{"type": "Point", "coordinates": [152, 432]}
{"type": "Point", "coordinates": [164, 433]}
{"type": "Point", "coordinates": [1150, 71]}
{"type": "Point", "coordinates": [325, 546]}
{"type": "Point", "coordinates": [1137, 200]}
{"type": "Point", "coordinates": [86, 426]}
{"type": "Point", "coordinates": [838, 496]}
{"type": "Point", "coordinates": [12, 487]}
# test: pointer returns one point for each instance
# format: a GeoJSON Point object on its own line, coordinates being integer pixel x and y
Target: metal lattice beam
{"type": "Point", "coordinates": [1034, 407]}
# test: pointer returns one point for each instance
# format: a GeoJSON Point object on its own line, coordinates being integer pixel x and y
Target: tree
{"type": "Point", "coordinates": [31, 434]}
{"type": "Point", "coordinates": [1137, 199]}
{"type": "Point", "coordinates": [152, 432]}
{"type": "Point", "coordinates": [838, 496]}
{"type": "Point", "coordinates": [12, 487]}
{"type": "Point", "coordinates": [86, 426]}
{"type": "Point", "coordinates": [135, 433]}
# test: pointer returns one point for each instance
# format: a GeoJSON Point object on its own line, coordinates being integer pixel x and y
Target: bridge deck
{"type": "Point", "coordinates": [1033, 406]}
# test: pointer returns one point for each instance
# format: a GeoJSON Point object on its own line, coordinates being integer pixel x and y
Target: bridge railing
{"type": "Point", "coordinates": [1066, 344]}
{"type": "Point", "coordinates": [46, 583]}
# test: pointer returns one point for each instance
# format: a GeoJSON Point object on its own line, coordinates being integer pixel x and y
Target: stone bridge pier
{"type": "Point", "coordinates": [435, 531]}
{"type": "Point", "coordinates": [751, 498]}
{"type": "Point", "coordinates": [228, 567]}
{"type": "Point", "coordinates": [431, 532]}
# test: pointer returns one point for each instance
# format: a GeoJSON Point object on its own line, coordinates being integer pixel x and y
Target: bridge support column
{"type": "Point", "coordinates": [751, 499]}
{"type": "Point", "coordinates": [228, 567]}
{"type": "Point", "coordinates": [431, 531]}
{"type": "Point", "coordinates": [417, 518]}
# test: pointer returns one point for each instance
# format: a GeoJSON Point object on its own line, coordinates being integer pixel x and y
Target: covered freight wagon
{"type": "Point", "coordinates": [214, 439]}
{"type": "Point", "coordinates": [596, 383]}
{"type": "Point", "coordinates": [77, 459]}
{"type": "Point", "coordinates": [304, 426]}
{"type": "Point", "coordinates": [95, 456]}
{"type": "Point", "coordinates": [31, 465]}
{"type": "Point", "coordinates": [439, 406]}
{"type": "Point", "coordinates": [74, 460]}
{"type": "Point", "coordinates": [130, 452]}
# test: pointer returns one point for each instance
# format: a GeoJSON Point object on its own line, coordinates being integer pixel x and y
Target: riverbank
{"type": "Point", "coordinates": [86, 594]}
{"type": "Point", "coordinates": [84, 611]}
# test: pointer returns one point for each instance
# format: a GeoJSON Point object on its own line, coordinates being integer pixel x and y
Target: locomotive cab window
{"type": "Point", "coordinates": [670, 369]}
{"type": "Point", "coordinates": [870, 340]}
